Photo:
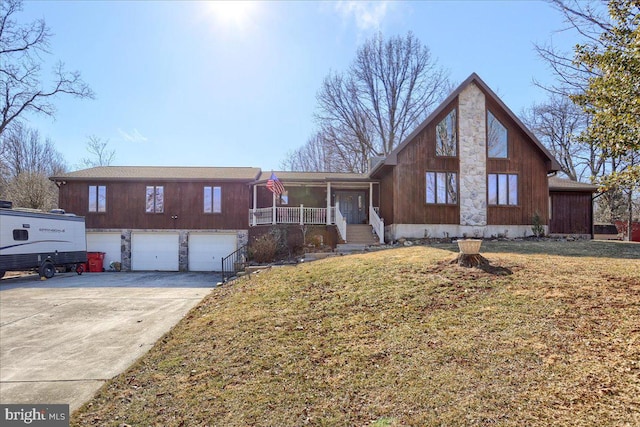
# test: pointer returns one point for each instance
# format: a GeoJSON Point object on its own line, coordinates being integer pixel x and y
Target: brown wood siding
{"type": "Point", "coordinates": [571, 213]}
{"type": "Point", "coordinates": [410, 189]}
{"type": "Point", "coordinates": [126, 205]}
{"type": "Point", "coordinates": [387, 197]}
{"type": "Point", "coordinates": [525, 160]}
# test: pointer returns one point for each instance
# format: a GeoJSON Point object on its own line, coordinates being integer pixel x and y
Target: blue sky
{"type": "Point", "coordinates": [210, 84]}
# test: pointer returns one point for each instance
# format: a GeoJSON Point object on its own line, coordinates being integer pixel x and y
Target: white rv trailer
{"type": "Point", "coordinates": [43, 241]}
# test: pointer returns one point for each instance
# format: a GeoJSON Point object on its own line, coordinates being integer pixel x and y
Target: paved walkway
{"type": "Point", "coordinates": [62, 338]}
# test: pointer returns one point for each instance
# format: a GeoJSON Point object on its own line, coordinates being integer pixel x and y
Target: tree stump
{"type": "Point", "coordinates": [471, 260]}
{"type": "Point", "coordinates": [470, 253]}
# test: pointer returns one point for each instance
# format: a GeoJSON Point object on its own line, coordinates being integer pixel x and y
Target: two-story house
{"type": "Point", "coordinates": [472, 168]}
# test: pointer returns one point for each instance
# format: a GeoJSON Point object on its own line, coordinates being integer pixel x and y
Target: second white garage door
{"type": "Point", "coordinates": [155, 251]}
{"type": "Point", "coordinates": [206, 250]}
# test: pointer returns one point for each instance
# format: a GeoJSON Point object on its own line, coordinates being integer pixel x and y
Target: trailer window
{"type": "Point", "coordinates": [20, 235]}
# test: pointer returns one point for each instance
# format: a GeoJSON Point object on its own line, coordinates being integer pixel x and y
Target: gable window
{"type": "Point", "coordinates": [442, 188]}
{"type": "Point", "coordinates": [503, 189]}
{"type": "Point", "coordinates": [447, 136]}
{"type": "Point", "coordinates": [212, 199]}
{"type": "Point", "coordinates": [97, 198]}
{"type": "Point", "coordinates": [497, 146]}
{"type": "Point", "coordinates": [155, 199]}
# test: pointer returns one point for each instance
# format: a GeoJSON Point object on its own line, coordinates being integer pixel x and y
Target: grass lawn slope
{"type": "Point", "coordinates": [401, 337]}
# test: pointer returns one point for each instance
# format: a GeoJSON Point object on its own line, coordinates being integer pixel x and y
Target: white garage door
{"type": "Point", "coordinates": [155, 251]}
{"type": "Point", "coordinates": [206, 250]}
{"type": "Point", "coordinates": [109, 243]}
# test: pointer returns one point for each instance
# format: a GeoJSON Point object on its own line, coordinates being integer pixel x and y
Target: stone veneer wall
{"type": "Point", "coordinates": [473, 154]}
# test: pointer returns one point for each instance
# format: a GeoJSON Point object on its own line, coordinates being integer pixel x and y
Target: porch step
{"type": "Point", "coordinates": [346, 248]}
{"type": "Point", "coordinates": [361, 234]}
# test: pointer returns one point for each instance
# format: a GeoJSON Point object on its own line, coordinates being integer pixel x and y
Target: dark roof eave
{"type": "Point", "coordinates": [156, 179]}
{"type": "Point", "coordinates": [321, 180]}
{"type": "Point", "coordinates": [592, 190]}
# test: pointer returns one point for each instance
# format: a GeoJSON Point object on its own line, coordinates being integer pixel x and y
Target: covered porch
{"type": "Point", "coordinates": [313, 198]}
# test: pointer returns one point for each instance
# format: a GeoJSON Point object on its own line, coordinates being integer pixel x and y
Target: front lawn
{"type": "Point", "coordinates": [401, 337]}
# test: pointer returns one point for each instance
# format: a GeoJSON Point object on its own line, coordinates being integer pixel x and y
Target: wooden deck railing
{"type": "Point", "coordinates": [289, 215]}
{"type": "Point", "coordinates": [377, 223]}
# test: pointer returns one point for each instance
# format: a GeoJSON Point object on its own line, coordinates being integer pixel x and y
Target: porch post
{"type": "Point", "coordinates": [328, 203]}
{"type": "Point", "coordinates": [255, 204]}
{"type": "Point", "coordinates": [273, 209]}
{"type": "Point", "coordinates": [371, 194]}
{"type": "Point", "coordinates": [301, 214]}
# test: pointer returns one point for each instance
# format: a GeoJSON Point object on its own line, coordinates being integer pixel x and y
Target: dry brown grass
{"type": "Point", "coordinates": [394, 338]}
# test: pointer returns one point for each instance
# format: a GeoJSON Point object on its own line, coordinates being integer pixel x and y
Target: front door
{"type": "Point", "coordinates": [352, 205]}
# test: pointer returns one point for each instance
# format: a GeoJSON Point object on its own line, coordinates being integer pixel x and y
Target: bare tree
{"type": "Point", "coordinates": [26, 164]}
{"type": "Point", "coordinates": [389, 89]}
{"type": "Point", "coordinates": [324, 152]}
{"type": "Point", "coordinates": [588, 20]}
{"type": "Point", "coordinates": [21, 87]}
{"type": "Point", "coordinates": [100, 155]}
{"type": "Point", "coordinates": [558, 123]}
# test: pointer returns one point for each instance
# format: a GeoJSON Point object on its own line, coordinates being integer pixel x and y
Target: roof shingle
{"type": "Point", "coordinates": [564, 184]}
{"type": "Point", "coordinates": [161, 172]}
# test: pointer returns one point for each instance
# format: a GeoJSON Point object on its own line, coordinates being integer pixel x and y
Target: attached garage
{"type": "Point", "coordinates": [109, 243]}
{"type": "Point", "coordinates": [570, 207]}
{"type": "Point", "coordinates": [155, 251]}
{"type": "Point", "coordinates": [206, 250]}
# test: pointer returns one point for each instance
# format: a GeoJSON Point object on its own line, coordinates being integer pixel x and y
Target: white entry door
{"type": "Point", "coordinates": [155, 251]}
{"type": "Point", "coordinates": [206, 250]}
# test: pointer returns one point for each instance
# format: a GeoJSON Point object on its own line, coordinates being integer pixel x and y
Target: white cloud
{"type": "Point", "coordinates": [368, 15]}
{"type": "Point", "coordinates": [133, 136]}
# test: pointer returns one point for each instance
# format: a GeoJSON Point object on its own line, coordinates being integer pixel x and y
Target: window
{"type": "Point", "coordinates": [503, 189]}
{"type": "Point", "coordinates": [442, 188]}
{"type": "Point", "coordinates": [496, 138]}
{"type": "Point", "coordinates": [212, 199]}
{"type": "Point", "coordinates": [155, 199]}
{"type": "Point", "coordinates": [97, 198]}
{"type": "Point", "coordinates": [284, 198]}
{"type": "Point", "coordinates": [447, 136]}
{"type": "Point", "coordinates": [20, 235]}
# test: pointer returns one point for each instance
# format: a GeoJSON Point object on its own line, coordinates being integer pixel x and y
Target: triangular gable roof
{"type": "Point", "coordinates": [392, 158]}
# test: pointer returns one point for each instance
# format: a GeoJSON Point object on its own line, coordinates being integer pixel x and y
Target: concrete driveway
{"type": "Point", "coordinates": [62, 338]}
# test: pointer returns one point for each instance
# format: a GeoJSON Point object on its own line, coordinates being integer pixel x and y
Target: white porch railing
{"type": "Point", "coordinates": [288, 215]}
{"type": "Point", "coordinates": [341, 222]}
{"type": "Point", "coordinates": [377, 223]}
{"type": "Point", "coordinates": [301, 215]}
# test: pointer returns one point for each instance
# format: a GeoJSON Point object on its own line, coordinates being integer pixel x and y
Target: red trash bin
{"type": "Point", "coordinates": [95, 261]}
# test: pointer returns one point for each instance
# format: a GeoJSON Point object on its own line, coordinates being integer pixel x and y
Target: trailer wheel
{"type": "Point", "coordinates": [80, 269]}
{"type": "Point", "coordinates": [47, 270]}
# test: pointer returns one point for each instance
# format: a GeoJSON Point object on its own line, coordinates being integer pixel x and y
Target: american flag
{"type": "Point", "coordinates": [274, 184]}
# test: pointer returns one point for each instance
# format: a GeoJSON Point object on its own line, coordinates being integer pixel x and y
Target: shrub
{"type": "Point", "coordinates": [537, 228]}
{"type": "Point", "coordinates": [264, 248]}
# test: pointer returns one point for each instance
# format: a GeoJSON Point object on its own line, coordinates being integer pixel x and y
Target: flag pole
{"type": "Point", "coordinates": [273, 208]}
